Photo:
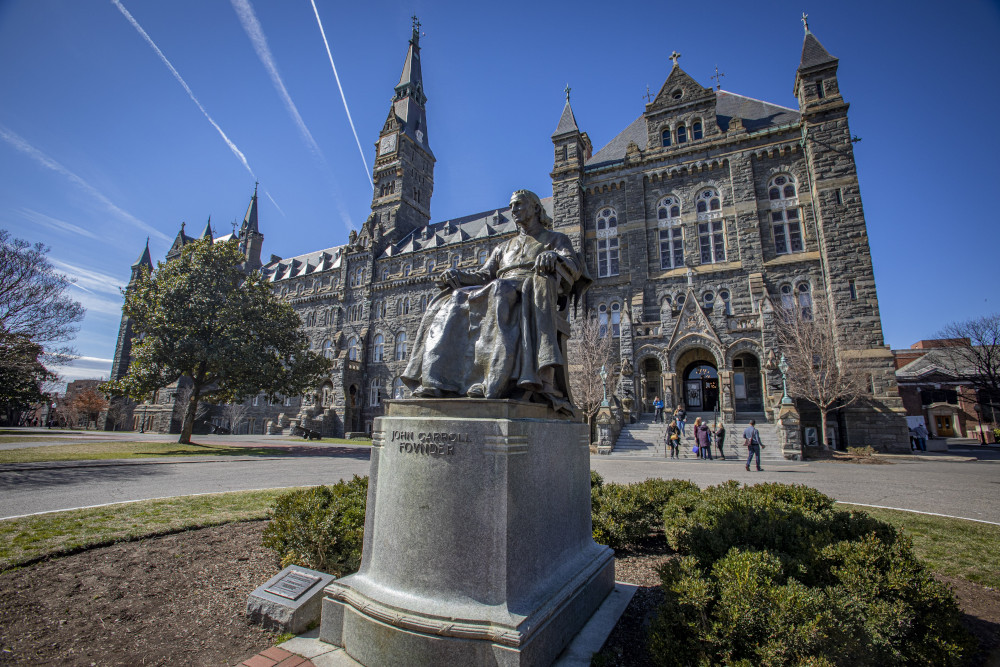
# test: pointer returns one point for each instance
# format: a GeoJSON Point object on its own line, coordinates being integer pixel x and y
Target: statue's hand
{"type": "Point", "coordinates": [450, 278]}
{"type": "Point", "coordinates": [546, 262]}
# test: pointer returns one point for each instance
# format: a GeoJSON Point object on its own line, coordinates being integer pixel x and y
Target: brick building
{"type": "Point", "coordinates": [704, 213]}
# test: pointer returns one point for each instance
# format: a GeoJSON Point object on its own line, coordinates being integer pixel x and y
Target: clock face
{"type": "Point", "coordinates": [387, 145]}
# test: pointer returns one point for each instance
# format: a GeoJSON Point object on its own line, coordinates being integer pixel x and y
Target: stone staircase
{"type": "Point", "coordinates": [645, 439]}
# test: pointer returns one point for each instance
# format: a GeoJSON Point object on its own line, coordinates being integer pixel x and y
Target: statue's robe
{"type": "Point", "coordinates": [493, 338]}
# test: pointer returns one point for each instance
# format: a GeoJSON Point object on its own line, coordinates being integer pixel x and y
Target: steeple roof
{"type": "Point", "coordinates": [813, 53]}
{"type": "Point", "coordinates": [144, 258]}
{"type": "Point", "coordinates": [409, 99]}
{"type": "Point", "coordinates": [207, 233]}
{"type": "Point", "coordinates": [250, 219]}
{"type": "Point", "coordinates": [567, 122]}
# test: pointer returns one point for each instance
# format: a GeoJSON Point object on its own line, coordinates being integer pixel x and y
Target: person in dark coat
{"type": "Point", "coordinates": [720, 438]}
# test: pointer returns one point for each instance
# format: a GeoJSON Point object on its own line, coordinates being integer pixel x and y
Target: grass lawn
{"type": "Point", "coordinates": [953, 547]}
{"type": "Point", "coordinates": [28, 538]}
{"type": "Point", "coordinates": [128, 450]}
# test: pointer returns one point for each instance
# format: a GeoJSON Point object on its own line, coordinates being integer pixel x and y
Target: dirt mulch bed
{"type": "Point", "coordinates": [179, 600]}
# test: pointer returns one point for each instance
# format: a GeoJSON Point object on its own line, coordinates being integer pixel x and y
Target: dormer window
{"type": "Point", "coordinates": [696, 130]}
{"type": "Point", "coordinates": [665, 137]}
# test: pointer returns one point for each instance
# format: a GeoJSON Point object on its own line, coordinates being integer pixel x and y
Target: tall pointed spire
{"type": "Point", "coordinates": [813, 53]}
{"type": "Point", "coordinates": [567, 122]}
{"type": "Point", "coordinates": [144, 258]}
{"type": "Point", "coordinates": [250, 219]}
{"type": "Point", "coordinates": [207, 233]}
{"type": "Point", "coordinates": [409, 99]}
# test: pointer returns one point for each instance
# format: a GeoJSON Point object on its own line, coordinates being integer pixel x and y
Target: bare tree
{"type": "Point", "coordinates": [976, 343]}
{"type": "Point", "coordinates": [120, 412]}
{"type": "Point", "coordinates": [235, 414]}
{"type": "Point", "coordinates": [817, 374]}
{"type": "Point", "coordinates": [590, 350]}
{"type": "Point", "coordinates": [90, 403]}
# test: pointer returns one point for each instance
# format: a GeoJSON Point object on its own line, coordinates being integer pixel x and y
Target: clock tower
{"type": "Point", "coordinates": [404, 164]}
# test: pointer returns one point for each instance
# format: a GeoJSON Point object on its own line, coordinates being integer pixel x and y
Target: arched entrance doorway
{"type": "Point", "coordinates": [701, 387]}
{"type": "Point", "coordinates": [747, 393]}
{"type": "Point", "coordinates": [651, 376]}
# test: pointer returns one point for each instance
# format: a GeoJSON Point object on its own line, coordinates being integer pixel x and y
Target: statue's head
{"type": "Point", "coordinates": [536, 203]}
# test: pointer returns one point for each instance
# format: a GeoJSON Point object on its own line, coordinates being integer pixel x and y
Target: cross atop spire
{"type": "Point", "coordinates": [416, 23]}
{"type": "Point", "coordinates": [675, 57]}
{"type": "Point", "coordinates": [566, 90]}
{"type": "Point", "coordinates": [718, 78]}
{"type": "Point", "coordinates": [805, 21]}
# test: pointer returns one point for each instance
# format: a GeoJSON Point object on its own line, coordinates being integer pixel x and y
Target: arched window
{"type": "Point", "coordinates": [669, 209]}
{"type": "Point", "coordinates": [602, 320]}
{"type": "Point", "coordinates": [423, 302]}
{"type": "Point", "coordinates": [668, 214]}
{"type": "Point", "coordinates": [805, 301]}
{"type": "Point", "coordinates": [353, 349]}
{"type": "Point", "coordinates": [298, 289]}
{"type": "Point", "coordinates": [616, 319]}
{"type": "Point", "coordinates": [328, 348]}
{"type": "Point", "coordinates": [401, 346]}
{"type": "Point", "coordinates": [375, 393]}
{"type": "Point", "coordinates": [682, 134]}
{"type": "Point", "coordinates": [787, 297]}
{"type": "Point", "coordinates": [607, 242]}
{"type": "Point", "coordinates": [406, 271]}
{"type": "Point", "coordinates": [665, 137]}
{"type": "Point", "coordinates": [483, 256]}
{"type": "Point", "coordinates": [679, 300]}
{"type": "Point", "coordinates": [708, 200]}
{"type": "Point", "coordinates": [398, 388]}
{"type": "Point", "coordinates": [454, 261]}
{"type": "Point", "coordinates": [385, 274]}
{"type": "Point", "coordinates": [696, 130]}
{"type": "Point", "coordinates": [726, 305]}
{"type": "Point", "coordinates": [785, 218]}
{"type": "Point", "coordinates": [430, 266]}
{"type": "Point", "coordinates": [406, 306]}
{"type": "Point", "coordinates": [378, 347]}
{"type": "Point", "coordinates": [709, 299]}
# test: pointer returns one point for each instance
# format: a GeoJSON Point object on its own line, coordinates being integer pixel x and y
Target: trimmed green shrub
{"type": "Point", "coordinates": [625, 514]}
{"type": "Point", "coordinates": [773, 575]}
{"type": "Point", "coordinates": [321, 528]}
{"type": "Point", "coordinates": [595, 479]}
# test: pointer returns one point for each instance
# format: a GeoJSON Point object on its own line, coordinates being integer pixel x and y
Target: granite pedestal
{"type": "Point", "coordinates": [478, 546]}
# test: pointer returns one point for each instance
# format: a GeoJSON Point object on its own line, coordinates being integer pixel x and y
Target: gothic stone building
{"type": "Point", "coordinates": [705, 213]}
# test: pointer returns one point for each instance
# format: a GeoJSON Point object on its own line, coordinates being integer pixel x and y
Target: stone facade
{"type": "Point", "coordinates": [705, 214]}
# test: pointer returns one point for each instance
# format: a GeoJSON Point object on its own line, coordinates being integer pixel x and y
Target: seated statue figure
{"type": "Point", "coordinates": [499, 332]}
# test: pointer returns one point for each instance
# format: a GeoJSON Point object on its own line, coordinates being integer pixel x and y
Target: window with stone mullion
{"type": "Point", "coordinates": [712, 242]}
{"type": "Point", "coordinates": [787, 231]}
{"type": "Point", "coordinates": [671, 248]}
{"type": "Point", "coordinates": [607, 257]}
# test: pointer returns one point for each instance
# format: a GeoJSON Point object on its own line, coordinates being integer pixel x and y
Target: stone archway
{"type": "Point", "coordinates": [698, 374]}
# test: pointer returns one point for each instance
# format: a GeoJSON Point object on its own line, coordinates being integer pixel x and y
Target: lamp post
{"type": "Point", "coordinates": [979, 422]}
{"type": "Point", "coordinates": [783, 367]}
{"type": "Point", "coordinates": [604, 385]}
{"type": "Point", "coordinates": [142, 421]}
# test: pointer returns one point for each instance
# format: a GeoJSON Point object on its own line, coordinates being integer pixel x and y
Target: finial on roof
{"type": "Point", "coordinates": [182, 227]}
{"type": "Point", "coordinates": [805, 21]}
{"type": "Point", "coordinates": [718, 78]}
{"type": "Point", "coordinates": [566, 90]}
{"type": "Point", "coordinates": [675, 57]}
{"type": "Point", "coordinates": [648, 95]}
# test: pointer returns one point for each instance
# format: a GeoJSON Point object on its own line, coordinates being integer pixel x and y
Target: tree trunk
{"type": "Point", "coordinates": [189, 415]}
{"type": "Point", "coordinates": [822, 432]}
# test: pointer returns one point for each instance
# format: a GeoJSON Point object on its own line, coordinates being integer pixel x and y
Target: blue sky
{"type": "Point", "coordinates": [101, 145]}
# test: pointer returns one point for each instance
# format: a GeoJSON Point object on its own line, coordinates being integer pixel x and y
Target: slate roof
{"type": "Point", "coordinates": [488, 224]}
{"type": "Point", "coordinates": [756, 115]}
{"type": "Point", "coordinates": [567, 122]}
{"type": "Point", "coordinates": [304, 265]}
{"type": "Point", "coordinates": [937, 361]}
{"type": "Point", "coordinates": [813, 53]}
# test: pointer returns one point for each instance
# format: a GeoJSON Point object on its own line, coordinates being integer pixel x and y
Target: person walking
{"type": "Point", "coordinates": [751, 438]}
{"type": "Point", "coordinates": [703, 439]}
{"type": "Point", "coordinates": [680, 415]}
{"type": "Point", "coordinates": [657, 410]}
{"type": "Point", "coordinates": [921, 432]}
{"type": "Point", "coordinates": [720, 438]}
{"type": "Point", "coordinates": [674, 439]}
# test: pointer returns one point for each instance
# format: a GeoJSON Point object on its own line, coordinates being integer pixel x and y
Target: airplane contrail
{"type": "Point", "coordinates": [135, 24]}
{"type": "Point", "coordinates": [254, 31]}
{"type": "Point", "coordinates": [322, 32]}
{"type": "Point", "coordinates": [41, 158]}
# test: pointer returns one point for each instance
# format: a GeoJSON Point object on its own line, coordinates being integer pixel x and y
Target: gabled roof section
{"type": "Point", "coordinates": [494, 223]}
{"type": "Point", "coordinates": [301, 265]}
{"type": "Point", "coordinates": [567, 122]}
{"type": "Point", "coordinates": [692, 321]}
{"type": "Point", "coordinates": [939, 361]}
{"type": "Point", "coordinates": [755, 114]}
{"type": "Point", "coordinates": [677, 81]}
{"type": "Point", "coordinates": [813, 53]}
{"type": "Point", "coordinates": [180, 241]}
